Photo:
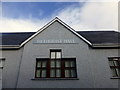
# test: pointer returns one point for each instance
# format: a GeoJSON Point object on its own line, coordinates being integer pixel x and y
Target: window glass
{"type": "Point", "coordinates": [118, 71]}
{"type": "Point", "coordinates": [58, 63]}
{"type": "Point", "coordinates": [113, 70]}
{"type": "Point", "coordinates": [52, 63]}
{"type": "Point", "coordinates": [44, 64]}
{"type": "Point", "coordinates": [52, 55]}
{"type": "Point", "coordinates": [38, 73]}
{"type": "Point", "coordinates": [116, 63]}
{"type": "Point", "coordinates": [67, 64]}
{"type": "Point", "coordinates": [73, 73]}
{"type": "Point", "coordinates": [58, 54]}
{"type": "Point", "coordinates": [52, 73]}
{"type": "Point", "coordinates": [58, 73]}
{"type": "Point", "coordinates": [56, 68]}
{"type": "Point", "coordinates": [43, 73]}
{"type": "Point", "coordinates": [115, 66]}
{"type": "Point", "coordinates": [39, 64]}
{"type": "Point", "coordinates": [72, 64]}
{"type": "Point", "coordinates": [67, 73]}
{"type": "Point", "coordinates": [114, 58]}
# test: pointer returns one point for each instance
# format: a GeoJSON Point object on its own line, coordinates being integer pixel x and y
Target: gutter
{"type": "Point", "coordinates": [9, 47]}
{"type": "Point", "coordinates": [106, 45]}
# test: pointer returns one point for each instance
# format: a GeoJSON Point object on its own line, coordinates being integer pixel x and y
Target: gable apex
{"type": "Point", "coordinates": [50, 23]}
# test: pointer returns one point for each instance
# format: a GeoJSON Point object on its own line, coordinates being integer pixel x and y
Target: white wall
{"type": "Point", "coordinates": [92, 64]}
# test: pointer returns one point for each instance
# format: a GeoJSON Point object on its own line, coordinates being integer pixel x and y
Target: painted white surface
{"type": "Point", "coordinates": [92, 64]}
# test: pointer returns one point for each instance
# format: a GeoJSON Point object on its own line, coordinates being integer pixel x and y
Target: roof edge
{"type": "Point", "coordinates": [51, 22]}
{"type": "Point", "coordinates": [106, 45]}
{"type": "Point", "coordinates": [9, 47]}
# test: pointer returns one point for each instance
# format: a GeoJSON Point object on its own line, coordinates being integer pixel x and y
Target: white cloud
{"type": "Point", "coordinates": [21, 25]}
{"type": "Point", "coordinates": [91, 16]}
{"type": "Point", "coordinates": [100, 15]}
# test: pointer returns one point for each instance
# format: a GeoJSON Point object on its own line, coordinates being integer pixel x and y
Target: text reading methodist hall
{"type": "Point", "coordinates": [57, 56]}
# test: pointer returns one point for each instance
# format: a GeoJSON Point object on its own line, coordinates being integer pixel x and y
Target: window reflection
{"type": "Point", "coordinates": [52, 73]}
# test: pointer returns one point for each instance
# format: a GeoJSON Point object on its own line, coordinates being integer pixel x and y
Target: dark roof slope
{"type": "Point", "coordinates": [101, 37]}
{"type": "Point", "coordinates": [95, 37]}
{"type": "Point", "coordinates": [14, 38]}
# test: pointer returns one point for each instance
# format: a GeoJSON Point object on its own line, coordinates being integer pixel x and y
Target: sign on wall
{"type": "Point", "coordinates": [56, 41]}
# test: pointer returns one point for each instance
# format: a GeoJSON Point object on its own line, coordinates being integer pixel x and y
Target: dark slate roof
{"type": "Point", "coordinates": [95, 37]}
{"type": "Point", "coordinates": [101, 37]}
{"type": "Point", "coordinates": [14, 38]}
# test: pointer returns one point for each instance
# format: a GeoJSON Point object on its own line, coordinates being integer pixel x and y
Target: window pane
{"type": "Point", "coordinates": [67, 73]}
{"type": "Point", "coordinates": [52, 73]}
{"type": "Point", "coordinates": [67, 64]}
{"type": "Point", "coordinates": [113, 72]}
{"type": "Point", "coordinates": [58, 73]}
{"type": "Point", "coordinates": [52, 55]}
{"type": "Point", "coordinates": [73, 73]}
{"type": "Point", "coordinates": [58, 63]}
{"type": "Point", "coordinates": [116, 63]}
{"type": "Point", "coordinates": [58, 54]}
{"type": "Point", "coordinates": [44, 64]}
{"type": "Point", "coordinates": [118, 71]}
{"type": "Point", "coordinates": [52, 63]}
{"type": "Point", "coordinates": [39, 64]}
{"type": "Point", "coordinates": [115, 58]}
{"type": "Point", "coordinates": [43, 73]}
{"type": "Point", "coordinates": [72, 64]}
{"type": "Point", "coordinates": [38, 73]}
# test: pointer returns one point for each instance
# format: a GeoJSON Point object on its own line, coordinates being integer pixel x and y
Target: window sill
{"type": "Point", "coordinates": [115, 78]}
{"type": "Point", "coordinates": [55, 79]}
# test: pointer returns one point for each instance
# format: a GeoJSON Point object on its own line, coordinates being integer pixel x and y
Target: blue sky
{"type": "Point", "coordinates": [34, 9]}
{"type": "Point", "coordinates": [81, 16]}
